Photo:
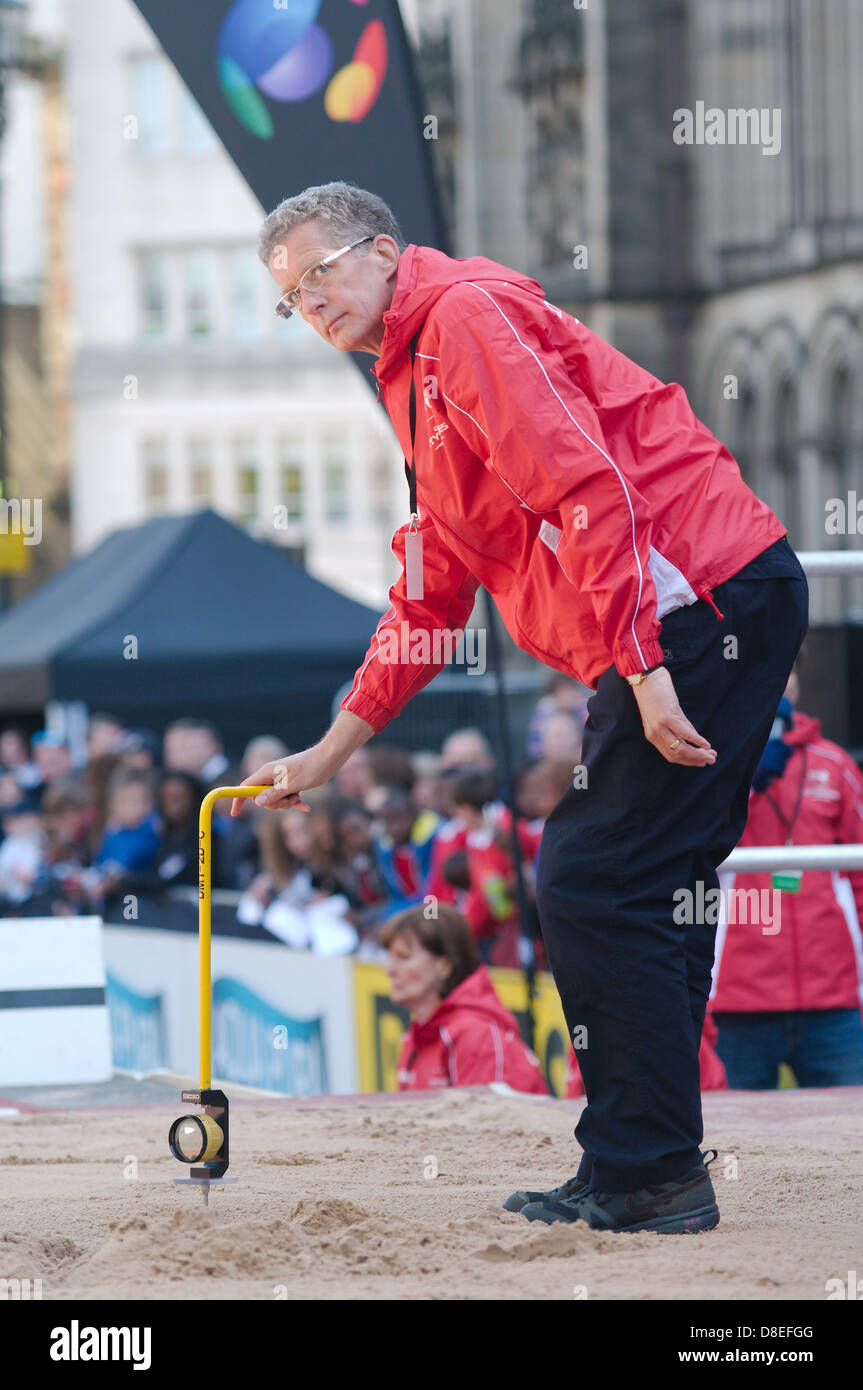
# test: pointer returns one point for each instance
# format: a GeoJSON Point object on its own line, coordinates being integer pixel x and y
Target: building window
{"type": "Point", "coordinates": [196, 133]}
{"type": "Point", "coordinates": [244, 277]}
{"type": "Point", "coordinates": [200, 293]}
{"type": "Point", "coordinates": [785, 433]}
{"type": "Point", "coordinates": [246, 473]}
{"type": "Point", "coordinates": [335, 483]}
{"type": "Point", "coordinates": [200, 456]}
{"type": "Point", "coordinates": [154, 454]}
{"type": "Point", "coordinates": [745, 437]}
{"type": "Point", "coordinates": [380, 474]}
{"type": "Point", "coordinates": [247, 493]}
{"type": "Point", "coordinates": [291, 493]}
{"type": "Point", "coordinates": [153, 301]}
{"type": "Point", "coordinates": [150, 105]}
{"type": "Point", "coordinates": [837, 475]}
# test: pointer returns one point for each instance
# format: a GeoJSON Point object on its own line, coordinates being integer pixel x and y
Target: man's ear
{"type": "Point", "coordinates": [388, 249]}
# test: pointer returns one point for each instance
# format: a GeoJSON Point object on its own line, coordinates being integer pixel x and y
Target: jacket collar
{"type": "Point", "coordinates": [423, 276]}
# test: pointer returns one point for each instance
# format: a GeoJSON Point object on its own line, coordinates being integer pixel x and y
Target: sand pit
{"type": "Point", "coordinates": [333, 1201]}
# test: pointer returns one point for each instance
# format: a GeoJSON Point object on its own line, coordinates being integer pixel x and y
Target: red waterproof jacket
{"type": "Point", "coordinates": [484, 856]}
{"type": "Point", "coordinates": [579, 489]}
{"type": "Point", "coordinates": [815, 959]}
{"type": "Point", "coordinates": [491, 904]}
{"type": "Point", "coordinates": [471, 1040]}
{"type": "Point", "coordinates": [451, 838]}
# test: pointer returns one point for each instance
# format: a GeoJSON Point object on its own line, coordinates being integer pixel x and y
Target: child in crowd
{"type": "Point", "coordinates": [21, 853]}
{"type": "Point", "coordinates": [403, 848]}
{"type": "Point", "coordinates": [130, 841]}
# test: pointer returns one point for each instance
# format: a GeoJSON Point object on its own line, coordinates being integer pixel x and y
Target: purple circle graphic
{"type": "Point", "coordinates": [302, 70]}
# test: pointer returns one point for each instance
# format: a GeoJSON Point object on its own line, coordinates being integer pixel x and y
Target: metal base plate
{"type": "Point", "coordinates": [205, 1184]}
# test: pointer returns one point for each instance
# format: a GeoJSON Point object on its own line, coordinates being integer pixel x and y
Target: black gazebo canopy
{"type": "Point", "coordinates": [187, 615]}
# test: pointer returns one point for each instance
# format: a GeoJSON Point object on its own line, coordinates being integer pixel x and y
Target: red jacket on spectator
{"type": "Point", "coordinates": [451, 838]}
{"type": "Point", "coordinates": [490, 904]}
{"type": "Point", "coordinates": [815, 960]}
{"type": "Point", "coordinates": [470, 1040]}
{"type": "Point", "coordinates": [710, 1064]}
{"type": "Point", "coordinates": [529, 831]}
{"type": "Point", "coordinates": [490, 866]}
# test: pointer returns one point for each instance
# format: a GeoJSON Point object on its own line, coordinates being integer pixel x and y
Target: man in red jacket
{"type": "Point", "coordinates": [790, 990]}
{"type": "Point", "coordinates": [622, 547]}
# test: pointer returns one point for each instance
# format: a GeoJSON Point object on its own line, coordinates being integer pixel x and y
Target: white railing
{"type": "Point", "coordinates": [765, 858]}
{"type": "Point", "coordinates": [829, 562]}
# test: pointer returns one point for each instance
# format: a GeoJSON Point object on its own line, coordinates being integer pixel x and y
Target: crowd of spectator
{"type": "Point", "coordinates": [116, 824]}
{"type": "Point", "coordinates": [100, 830]}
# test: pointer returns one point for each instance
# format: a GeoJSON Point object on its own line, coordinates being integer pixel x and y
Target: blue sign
{"type": "Point", "coordinates": [137, 1027]}
{"type": "Point", "coordinates": [258, 1045]}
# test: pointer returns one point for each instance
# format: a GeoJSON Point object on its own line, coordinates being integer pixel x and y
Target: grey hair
{"type": "Point", "coordinates": [348, 211]}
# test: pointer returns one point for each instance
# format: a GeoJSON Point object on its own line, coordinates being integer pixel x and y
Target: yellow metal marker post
{"type": "Point", "coordinates": [203, 1139]}
{"type": "Point", "coordinates": [205, 886]}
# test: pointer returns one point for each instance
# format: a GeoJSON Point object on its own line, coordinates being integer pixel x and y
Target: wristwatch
{"type": "Point", "coordinates": [642, 675]}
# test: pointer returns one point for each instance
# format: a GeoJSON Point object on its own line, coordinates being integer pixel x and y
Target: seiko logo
{"type": "Point", "coordinates": [435, 438]}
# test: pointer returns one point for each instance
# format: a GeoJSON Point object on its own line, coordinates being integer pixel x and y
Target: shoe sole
{"type": "Point", "coordinates": [516, 1202]}
{"type": "Point", "coordinates": [681, 1223]}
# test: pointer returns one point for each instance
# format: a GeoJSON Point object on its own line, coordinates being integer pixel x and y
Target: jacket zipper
{"type": "Point", "coordinates": [512, 571]}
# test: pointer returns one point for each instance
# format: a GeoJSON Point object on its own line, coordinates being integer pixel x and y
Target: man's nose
{"type": "Point", "coordinates": [313, 301]}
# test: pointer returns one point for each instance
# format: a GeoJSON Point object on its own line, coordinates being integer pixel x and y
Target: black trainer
{"type": "Point", "coordinates": [688, 1204]}
{"type": "Point", "coordinates": [573, 1187]}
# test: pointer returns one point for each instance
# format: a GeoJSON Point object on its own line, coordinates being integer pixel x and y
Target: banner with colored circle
{"type": "Point", "coordinates": [301, 92]}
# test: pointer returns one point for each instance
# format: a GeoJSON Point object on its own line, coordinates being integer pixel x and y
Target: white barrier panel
{"type": "Point", "coordinates": [282, 1019]}
{"type": "Point", "coordinates": [54, 1027]}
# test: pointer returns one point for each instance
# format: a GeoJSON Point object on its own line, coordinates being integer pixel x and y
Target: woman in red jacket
{"type": "Point", "coordinates": [460, 1033]}
{"type": "Point", "coordinates": [788, 981]}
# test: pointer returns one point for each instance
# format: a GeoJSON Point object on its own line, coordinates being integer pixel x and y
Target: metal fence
{"type": "Point", "coordinates": [766, 858]}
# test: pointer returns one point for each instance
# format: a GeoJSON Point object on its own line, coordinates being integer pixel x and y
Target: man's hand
{"type": "Point", "coordinates": [664, 722]}
{"type": "Point", "coordinates": [297, 772]}
{"type": "Point", "coordinates": [287, 777]}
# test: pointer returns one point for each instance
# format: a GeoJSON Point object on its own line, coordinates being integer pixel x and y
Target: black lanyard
{"type": "Point", "coordinates": [411, 469]}
{"type": "Point", "coordinates": [789, 824]}
{"type": "Point", "coordinates": [413, 537]}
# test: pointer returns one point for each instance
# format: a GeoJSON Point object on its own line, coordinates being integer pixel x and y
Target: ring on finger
{"type": "Point", "coordinates": [676, 744]}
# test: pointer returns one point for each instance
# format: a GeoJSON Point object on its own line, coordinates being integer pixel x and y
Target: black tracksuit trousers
{"type": "Point", "coordinates": [633, 982]}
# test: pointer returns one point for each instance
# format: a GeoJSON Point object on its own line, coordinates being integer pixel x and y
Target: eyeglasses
{"type": "Point", "coordinates": [316, 275]}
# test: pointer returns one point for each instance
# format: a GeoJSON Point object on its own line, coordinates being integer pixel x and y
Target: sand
{"type": "Point", "coordinates": [399, 1198]}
